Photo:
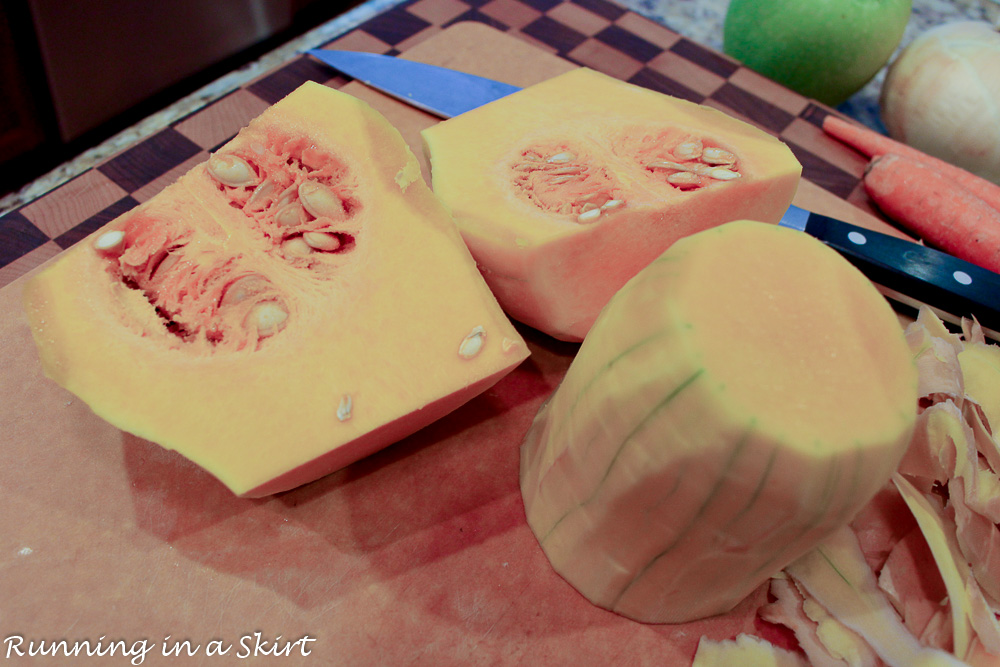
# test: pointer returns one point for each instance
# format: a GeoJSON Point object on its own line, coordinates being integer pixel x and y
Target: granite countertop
{"type": "Point", "coordinates": [699, 20]}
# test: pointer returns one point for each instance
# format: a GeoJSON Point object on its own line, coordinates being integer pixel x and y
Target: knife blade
{"type": "Point", "coordinates": [437, 90]}
{"type": "Point", "coordinates": [909, 273]}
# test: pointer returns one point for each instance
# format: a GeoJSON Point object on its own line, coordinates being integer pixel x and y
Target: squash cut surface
{"type": "Point", "coordinates": [739, 399]}
{"type": "Point", "coordinates": [294, 303]}
{"type": "Point", "coordinates": [566, 189]}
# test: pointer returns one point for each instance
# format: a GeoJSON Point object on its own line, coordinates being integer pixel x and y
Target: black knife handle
{"type": "Point", "coordinates": [924, 274]}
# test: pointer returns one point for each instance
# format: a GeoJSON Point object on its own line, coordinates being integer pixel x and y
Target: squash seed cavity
{"type": "Point", "coordinates": [681, 160]}
{"type": "Point", "coordinates": [563, 181]}
{"type": "Point", "coordinates": [300, 206]}
{"type": "Point", "coordinates": [567, 181]}
{"type": "Point", "coordinates": [292, 194]}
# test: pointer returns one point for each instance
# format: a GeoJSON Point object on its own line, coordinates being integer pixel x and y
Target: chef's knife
{"type": "Point", "coordinates": [906, 272]}
{"type": "Point", "coordinates": [909, 273]}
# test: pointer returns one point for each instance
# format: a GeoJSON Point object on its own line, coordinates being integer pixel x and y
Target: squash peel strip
{"type": "Point", "coordinates": [980, 365]}
{"type": "Point", "coordinates": [839, 640]}
{"type": "Point", "coordinates": [948, 482]}
{"type": "Point", "coordinates": [744, 650]}
{"type": "Point", "coordinates": [954, 446]}
{"type": "Point", "coordinates": [788, 609]}
{"type": "Point", "coordinates": [837, 575]}
{"type": "Point", "coordinates": [951, 564]}
{"type": "Point", "coordinates": [979, 542]}
{"type": "Point", "coordinates": [911, 580]}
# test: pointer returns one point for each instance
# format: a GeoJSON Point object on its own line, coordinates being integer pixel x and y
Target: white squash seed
{"type": "Point", "coordinates": [472, 344]}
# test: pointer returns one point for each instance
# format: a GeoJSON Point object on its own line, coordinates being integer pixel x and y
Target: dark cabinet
{"type": "Point", "coordinates": [76, 71]}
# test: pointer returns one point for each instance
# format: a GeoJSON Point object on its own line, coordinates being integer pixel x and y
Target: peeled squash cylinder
{"type": "Point", "coordinates": [737, 401]}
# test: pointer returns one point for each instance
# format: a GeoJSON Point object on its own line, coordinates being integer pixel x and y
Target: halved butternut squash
{"type": "Point", "coordinates": [291, 305]}
{"type": "Point", "coordinates": [566, 189]}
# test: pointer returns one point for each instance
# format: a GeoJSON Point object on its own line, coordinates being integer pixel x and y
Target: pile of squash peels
{"type": "Point", "coordinates": [915, 578]}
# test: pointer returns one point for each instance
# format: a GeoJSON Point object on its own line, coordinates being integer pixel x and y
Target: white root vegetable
{"type": "Point", "coordinates": [942, 96]}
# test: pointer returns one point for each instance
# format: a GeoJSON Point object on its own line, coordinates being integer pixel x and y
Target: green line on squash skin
{"type": "Point", "coordinates": [828, 489]}
{"type": "Point", "coordinates": [757, 491]}
{"type": "Point", "coordinates": [859, 459]}
{"type": "Point", "coordinates": [919, 353]}
{"type": "Point", "coordinates": [673, 489]}
{"type": "Point", "coordinates": [599, 374]}
{"type": "Point", "coordinates": [661, 405]}
{"type": "Point", "coordinates": [855, 478]}
{"type": "Point", "coordinates": [829, 562]}
{"type": "Point", "coordinates": [730, 462]}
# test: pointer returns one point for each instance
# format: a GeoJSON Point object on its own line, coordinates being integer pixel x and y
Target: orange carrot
{"type": "Point", "coordinates": [933, 207]}
{"type": "Point", "coordinates": [872, 144]}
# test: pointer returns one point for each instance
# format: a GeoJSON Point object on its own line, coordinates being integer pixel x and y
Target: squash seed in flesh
{"type": "Point", "coordinates": [165, 265]}
{"type": "Point", "coordinates": [723, 174]}
{"type": "Point", "coordinates": [258, 199]}
{"type": "Point", "coordinates": [290, 215]}
{"type": "Point", "coordinates": [718, 173]}
{"type": "Point", "coordinates": [683, 178]}
{"type": "Point", "coordinates": [320, 201]}
{"type": "Point", "coordinates": [242, 289]}
{"type": "Point", "coordinates": [589, 216]}
{"type": "Point", "coordinates": [110, 242]}
{"type": "Point", "coordinates": [717, 156]}
{"type": "Point", "coordinates": [232, 170]}
{"type": "Point", "coordinates": [472, 344]}
{"type": "Point", "coordinates": [345, 407]}
{"type": "Point", "coordinates": [268, 317]}
{"type": "Point", "coordinates": [296, 246]}
{"type": "Point", "coordinates": [558, 158]}
{"type": "Point", "coordinates": [688, 150]}
{"type": "Point", "coordinates": [321, 241]}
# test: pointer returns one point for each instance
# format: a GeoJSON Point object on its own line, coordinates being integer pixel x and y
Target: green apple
{"type": "Point", "coordinates": [823, 49]}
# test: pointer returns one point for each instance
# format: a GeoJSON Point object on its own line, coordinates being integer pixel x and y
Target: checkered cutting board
{"type": "Point", "coordinates": [418, 554]}
{"type": "Point", "coordinates": [593, 33]}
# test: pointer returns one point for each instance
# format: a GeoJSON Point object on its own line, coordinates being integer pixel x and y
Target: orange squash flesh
{"type": "Point", "coordinates": [566, 189]}
{"type": "Point", "coordinates": [737, 401]}
{"type": "Point", "coordinates": [276, 324]}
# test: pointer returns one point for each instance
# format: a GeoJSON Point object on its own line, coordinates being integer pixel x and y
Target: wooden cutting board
{"type": "Point", "coordinates": [417, 555]}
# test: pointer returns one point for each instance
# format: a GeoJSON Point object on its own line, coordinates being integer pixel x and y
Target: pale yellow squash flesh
{"type": "Point", "coordinates": [742, 397]}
